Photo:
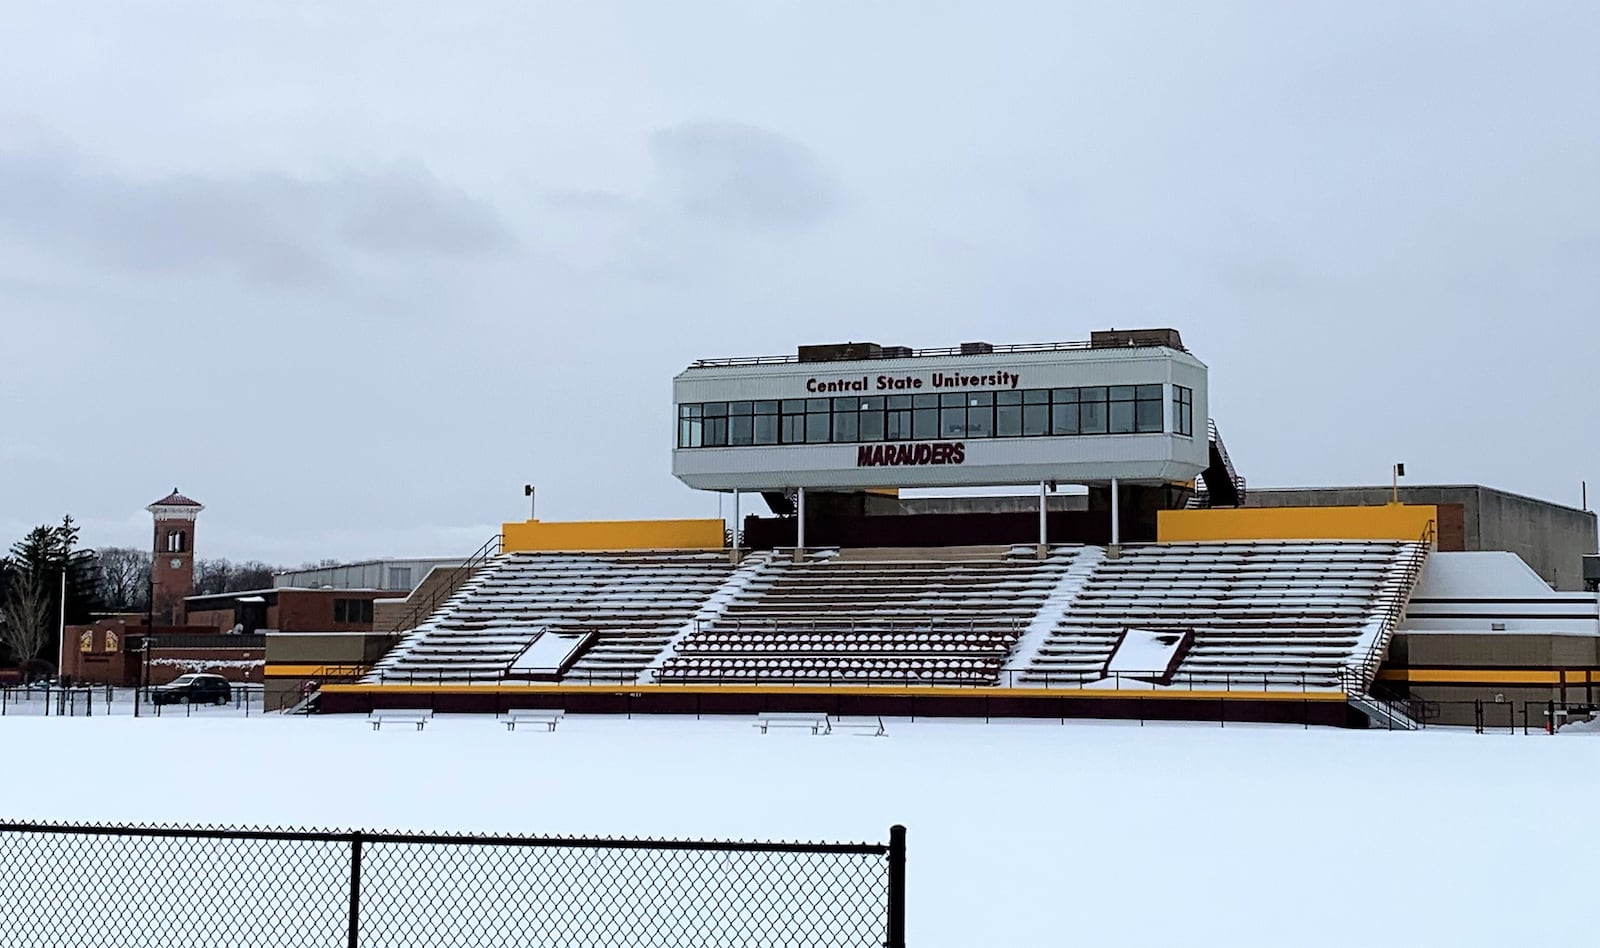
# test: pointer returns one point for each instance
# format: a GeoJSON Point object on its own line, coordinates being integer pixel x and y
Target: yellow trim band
{"type": "Point", "coordinates": [313, 671]}
{"type": "Point", "coordinates": [1499, 676]}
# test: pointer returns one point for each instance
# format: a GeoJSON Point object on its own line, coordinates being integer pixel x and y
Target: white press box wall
{"type": "Point", "coordinates": [1072, 459]}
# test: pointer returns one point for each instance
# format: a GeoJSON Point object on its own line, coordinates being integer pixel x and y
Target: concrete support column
{"type": "Point", "coordinates": [735, 555]}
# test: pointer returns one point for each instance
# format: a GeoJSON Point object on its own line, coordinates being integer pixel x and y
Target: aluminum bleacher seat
{"type": "Point", "coordinates": [633, 601]}
{"type": "Point", "coordinates": [1278, 615]}
{"type": "Point", "coordinates": [870, 617]}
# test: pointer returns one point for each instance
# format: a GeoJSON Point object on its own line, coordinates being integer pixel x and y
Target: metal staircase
{"type": "Point", "coordinates": [1220, 485]}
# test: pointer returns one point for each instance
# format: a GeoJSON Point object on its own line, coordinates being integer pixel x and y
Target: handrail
{"type": "Point", "coordinates": [1395, 610]}
{"type": "Point", "coordinates": [452, 585]}
{"type": "Point", "coordinates": [930, 353]}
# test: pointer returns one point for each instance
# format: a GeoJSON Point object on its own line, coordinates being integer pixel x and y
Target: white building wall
{"type": "Point", "coordinates": [1080, 459]}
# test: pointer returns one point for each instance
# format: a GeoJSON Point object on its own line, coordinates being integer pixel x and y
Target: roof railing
{"type": "Point", "coordinates": [928, 353]}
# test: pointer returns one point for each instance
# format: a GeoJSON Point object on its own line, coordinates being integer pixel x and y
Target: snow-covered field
{"type": "Point", "coordinates": [1102, 834]}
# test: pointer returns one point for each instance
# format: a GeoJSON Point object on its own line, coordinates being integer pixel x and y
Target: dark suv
{"type": "Point", "coordinates": [193, 689]}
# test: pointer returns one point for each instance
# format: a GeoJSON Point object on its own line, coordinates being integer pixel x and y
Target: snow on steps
{"type": "Point", "coordinates": [463, 592]}
{"type": "Point", "coordinates": [1055, 608]}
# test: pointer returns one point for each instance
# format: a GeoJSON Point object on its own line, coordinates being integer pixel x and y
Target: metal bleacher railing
{"type": "Point", "coordinates": [1288, 682]}
{"type": "Point", "coordinates": [452, 584]}
{"type": "Point", "coordinates": [148, 886]}
{"type": "Point", "coordinates": [1395, 608]}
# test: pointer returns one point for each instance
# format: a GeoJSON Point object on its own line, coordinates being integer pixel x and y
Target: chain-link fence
{"type": "Point", "coordinates": [71, 701]}
{"type": "Point", "coordinates": [143, 887]}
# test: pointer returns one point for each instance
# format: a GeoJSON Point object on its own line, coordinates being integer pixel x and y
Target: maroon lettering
{"type": "Point", "coordinates": [910, 455]}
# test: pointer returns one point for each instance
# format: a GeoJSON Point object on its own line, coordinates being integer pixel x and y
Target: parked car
{"type": "Point", "coordinates": [193, 689]}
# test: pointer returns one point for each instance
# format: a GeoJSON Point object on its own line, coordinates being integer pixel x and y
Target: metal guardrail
{"type": "Point", "coordinates": [150, 886]}
{"type": "Point", "coordinates": [452, 585]}
{"type": "Point", "coordinates": [1288, 684]}
{"type": "Point", "coordinates": [1395, 610]}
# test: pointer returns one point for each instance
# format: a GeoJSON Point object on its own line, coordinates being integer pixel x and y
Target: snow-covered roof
{"type": "Point", "coordinates": [1480, 575]}
{"type": "Point", "coordinates": [1497, 593]}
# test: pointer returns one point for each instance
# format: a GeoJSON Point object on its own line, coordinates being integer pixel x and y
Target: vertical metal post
{"type": "Point", "coordinates": [736, 525]}
{"type": "Point", "coordinates": [800, 521]}
{"type": "Point", "coordinates": [897, 887]}
{"type": "Point", "coordinates": [1044, 538]}
{"type": "Point", "coordinates": [61, 665]}
{"type": "Point", "coordinates": [355, 890]}
{"type": "Point", "coordinates": [1116, 515]}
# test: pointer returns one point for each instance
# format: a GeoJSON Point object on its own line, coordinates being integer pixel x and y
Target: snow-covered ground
{"type": "Point", "coordinates": [1102, 834]}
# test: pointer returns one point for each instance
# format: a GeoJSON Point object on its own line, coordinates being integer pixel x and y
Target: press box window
{"type": "Point", "coordinates": [1183, 410]}
{"type": "Point", "coordinates": [690, 429]}
{"type": "Point", "coordinates": [1024, 413]}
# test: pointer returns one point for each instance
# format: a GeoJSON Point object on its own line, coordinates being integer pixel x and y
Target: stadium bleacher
{"type": "Point", "coordinates": [875, 616]}
{"type": "Point", "coordinates": [634, 602]}
{"type": "Point", "coordinates": [1263, 614]}
{"type": "Point", "coordinates": [1255, 615]}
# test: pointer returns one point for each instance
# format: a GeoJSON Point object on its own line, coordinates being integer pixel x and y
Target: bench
{"type": "Point", "coordinates": [872, 727]}
{"type": "Point", "coordinates": [379, 718]}
{"type": "Point", "coordinates": [816, 723]}
{"type": "Point", "coordinates": [532, 716]}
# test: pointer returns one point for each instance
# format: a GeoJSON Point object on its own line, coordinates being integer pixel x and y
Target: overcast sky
{"type": "Point", "coordinates": [351, 273]}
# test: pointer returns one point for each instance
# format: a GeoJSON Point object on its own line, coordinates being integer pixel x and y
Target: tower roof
{"type": "Point", "coordinates": [175, 499]}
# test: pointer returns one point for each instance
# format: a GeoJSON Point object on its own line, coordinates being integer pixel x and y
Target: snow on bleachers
{"type": "Point", "coordinates": [1264, 614]}
{"type": "Point", "coordinates": [635, 602]}
{"type": "Point", "coordinates": [874, 616]}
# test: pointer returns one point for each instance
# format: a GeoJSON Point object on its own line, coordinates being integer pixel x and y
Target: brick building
{"type": "Point", "coordinates": [182, 632]}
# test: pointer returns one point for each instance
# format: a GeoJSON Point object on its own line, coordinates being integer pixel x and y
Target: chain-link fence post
{"type": "Point", "coordinates": [355, 890]}
{"type": "Point", "coordinates": [897, 887]}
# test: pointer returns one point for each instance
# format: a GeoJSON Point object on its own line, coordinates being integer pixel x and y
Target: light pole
{"type": "Point", "coordinates": [527, 491]}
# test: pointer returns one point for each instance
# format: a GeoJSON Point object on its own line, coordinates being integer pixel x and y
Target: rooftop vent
{"type": "Point", "coordinates": [841, 352]}
{"type": "Point", "coordinates": [977, 348]}
{"type": "Point", "coordinates": [1132, 338]}
{"type": "Point", "coordinates": [897, 352]}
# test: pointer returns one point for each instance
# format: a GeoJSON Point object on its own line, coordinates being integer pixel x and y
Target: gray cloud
{"type": "Point", "coordinates": [271, 227]}
{"type": "Point", "coordinates": [1376, 222]}
{"type": "Point", "coordinates": [742, 175]}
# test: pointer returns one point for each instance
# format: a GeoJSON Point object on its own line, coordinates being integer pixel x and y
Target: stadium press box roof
{"type": "Point", "coordinates": [1126, 406]}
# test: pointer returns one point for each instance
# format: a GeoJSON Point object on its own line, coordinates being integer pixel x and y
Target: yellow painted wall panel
{"type": "Point", "coordinates": [1389, 522]}
{"type": "Point", "coordinates": [536, 535]}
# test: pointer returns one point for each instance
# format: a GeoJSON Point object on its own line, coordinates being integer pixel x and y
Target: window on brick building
{"type": "Point", "coordinates": [352, 610]}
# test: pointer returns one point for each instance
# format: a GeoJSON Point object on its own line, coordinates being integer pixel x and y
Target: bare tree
{"type": "Point", "coordinates": [124, 578]}
{"type": "Point", "coordinates": [252, 574]}
{"type": "Point", "coordinates": [221, 575]}
{"type": "Point", "coordinates": [212, 576]}
{"type": "Point", "coordinates": [27, 616]}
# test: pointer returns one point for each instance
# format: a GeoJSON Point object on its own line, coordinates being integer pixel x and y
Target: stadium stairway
{"type": "Point", "coordinates": [860, 616]}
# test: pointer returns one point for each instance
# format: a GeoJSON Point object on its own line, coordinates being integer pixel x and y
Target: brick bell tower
{"type": "Point", "coordinates": [172, 569]}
